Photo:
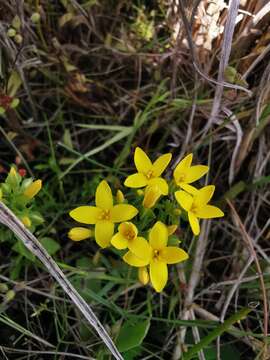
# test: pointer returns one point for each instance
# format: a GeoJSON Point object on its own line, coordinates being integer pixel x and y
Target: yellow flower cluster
{"type": "Point", "coordinates": [152, 250]}
{"type": "Point", "coordinates": [18, 192]}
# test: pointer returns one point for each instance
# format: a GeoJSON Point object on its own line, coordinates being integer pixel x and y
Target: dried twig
{"type": "Point", "coordinates": [8, 219]}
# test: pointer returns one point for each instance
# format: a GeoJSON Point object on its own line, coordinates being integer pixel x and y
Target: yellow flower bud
{"type": "Point", "coordinates": [33, 189]}
{"type": "Point", "coordinates": [120, 198]}
{"type": "Point", "coordinates": [171, 229]}
{"type": "Point", "coordinates": [143, 275]}
{"type": "Point", "coordinates": [151, 196]}
{"type": "Point", "coordinates": [96, 258]}
{"type": "Point", "coordinates": [140, 192]}
{"type": "Point", "coordinates": [79, 233]}
{"type": "Point", "coordinates": [26, 221]}
{"type": "Point", "coordinates": [12, 172]}
{"type": "Point", "coordinates": [177, 211]}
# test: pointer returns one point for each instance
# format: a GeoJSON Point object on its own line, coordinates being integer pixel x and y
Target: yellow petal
{"type": "Point", "coordinates": [142, 162]}
{"type": "Point", "coordinates": [143, 275]}
{"type": "Point", "coordinates": [160, 164]}
{"type": "Point", "coordinates": [173, 255]}
{"type": "Point", "coordinates": [128, 230]}
{"type": "Point", "coordinates": [123, 212]}
{"type": "Point", "coordinates": [182, 168]}
{"type": "Point", "coordinates": [104, 199]}
{"type": "Point", "coordinates": [204, 195]}
{"type": "Point", "coordinates": [209, 212]}
{"type": "Point", "coordinates": [161, 184]}
{"type": "Point", "coordinates": [119, 242]}
{"type": "Point", "coordinates": [33, 189]}
{"type": "Point", "coordinates": [136, 181]}
{"type": "Point", "coordinates": [151, 196]}
{"type": "Point", "coordinates": [188, 188]}
{"type": "Point", "coordinates": [86, 214]}
{"type": "Point", "coordinates": [172, 229]}
{"type": "Point", "coordinates": [79, 233]}
{"type": "Point", "coordinates": [194, 223]}
{"type": "Point", "coordinates": [158, 274]}
{"type": "Point", "coordinates": [104, 233]}
{"type": "Point", "coordinates": [133, 260]}
{"type": "Point", "coordinates": [120, 198]}
{"type": "Point", "coordinates": [184, 199]}
{"type": "Point", "coordinates": [196, 172]}
{"type": "Point", "coordinates": [158, 236]}
{"type": "Point", "coordinates": [141, 248]}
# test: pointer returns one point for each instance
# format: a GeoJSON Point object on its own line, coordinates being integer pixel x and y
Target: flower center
{"type": "Point", "coordinates": [149, 174]}
{"type": "Point", "coordinates": [194, 208]}
{"type": "Point", "coordinates": [129, 234]}
{"type": "Point", "coordinates": [105, 215]}
{"type": "Point", "coordinates": [156, 254]}
{"type": "Point", "coordinates": [181, 178]}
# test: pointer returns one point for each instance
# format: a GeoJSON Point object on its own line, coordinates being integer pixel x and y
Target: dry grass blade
{"type": "Point", "coordinates": [258, 266]}
{"type": "Point", "coordinates": [224, 58]}
{"type": "Point", "coordinates": [8, 219]}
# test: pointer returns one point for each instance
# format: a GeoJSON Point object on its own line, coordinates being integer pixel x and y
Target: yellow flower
{"type": "Point", "coordinates": [160, 256]}
{"type": "Point", "coordinates": [143, 275]}
{"type": "Point", "coordinates": [79, 233]}
{"type": "Point", "coordinates": [127, 238]}
{"type": "Point", "coordinates": [33, 189]}
{"type": "Point", "coordinates": [197, 206]}
{"type": "Point", "coordinates": [151, 196]}
{"type": "Point", "coordinates": [149, 173]}
{"type": "Point", "coordinates": [104, 215]}
{"type": "Point", "coordinates": [185, 174]}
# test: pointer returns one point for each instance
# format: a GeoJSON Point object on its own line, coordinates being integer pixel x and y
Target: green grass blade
{"type": "Point", "coordinates": [240, 315]}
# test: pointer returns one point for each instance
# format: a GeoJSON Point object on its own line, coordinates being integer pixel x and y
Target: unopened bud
{"type": "Point", "coordinates": [18, 39]}
{"type": "Point", "coordinates": [143, 275]}
{"type": "Point", "coordinates": [35, 17]}
{"type": "Point", "coordinates": [11, 32]}
{"type": "Point", "coordinates": [79, 233]}
{"type": "Point", "coordinates": [120, 198]}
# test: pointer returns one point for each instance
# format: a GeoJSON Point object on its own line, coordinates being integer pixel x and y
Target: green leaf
{"type": "Point", "coordinates": [132, 334]}
{"type": "Point", "coordinates": [22, 250]}
{"type": "Point", "coordinates": [50, 245]}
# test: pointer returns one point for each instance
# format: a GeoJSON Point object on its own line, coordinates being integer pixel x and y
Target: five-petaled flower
{"type": "Point", "coordinates": [104, 215]}
{"type": "Point", "coordinates": [149, 174]}
{"type": "Point", "coordinates": [197, 206]}
{"type": "Point", "coordinates": [185, 174]}
{"type": "Point", "coordinates": [159, 256]}
{"type": "Point", "coordinates": [127, 237]}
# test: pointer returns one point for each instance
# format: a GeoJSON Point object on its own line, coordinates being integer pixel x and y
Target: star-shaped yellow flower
{"type": "Point", "coordinates": [149, 174]}
{"type": "Point", "coordinates": [160, 256]}
{"type": "Point", "coordinates": [104, 215]}
{"type": "Point", "coordinates": [127, 237]}
{"type": "Point", "coordinates": [197, 206]}
{"type": "Point", "coordinates": [184, 174]}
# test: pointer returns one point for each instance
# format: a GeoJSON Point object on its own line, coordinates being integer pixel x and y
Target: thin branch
{"type": "Point", "coordinates": [8, 219]}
